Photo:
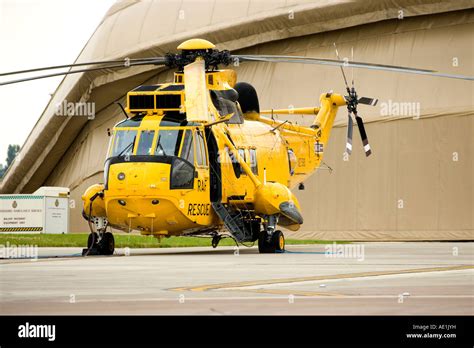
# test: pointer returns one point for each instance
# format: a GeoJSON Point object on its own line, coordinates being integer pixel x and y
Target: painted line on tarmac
{"type": "Point", "coordinates": [295, 293]}
{"type": "Point", "coordinates": [45, 258]}
{"type": "Point", "coordinates": [39, 257]}
{"type": "Point", "coordinates": [300, 293]}
{"type": "Point", "coordinates": [208, 287]}
{"type": "Point", "coordinates": [305, 252]}
{"type": "Point", "coordinates": [19, 260]}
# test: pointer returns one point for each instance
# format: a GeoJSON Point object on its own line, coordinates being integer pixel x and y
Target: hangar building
{"type": "Point", "coordinates": [417, 185]}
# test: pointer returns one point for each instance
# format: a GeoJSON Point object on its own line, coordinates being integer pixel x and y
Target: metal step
{"type": "Point", "coordinates": [233, 223]}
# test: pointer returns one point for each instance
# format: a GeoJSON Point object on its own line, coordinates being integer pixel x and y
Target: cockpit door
{"type": "Point", "coordinates": [199, 202]}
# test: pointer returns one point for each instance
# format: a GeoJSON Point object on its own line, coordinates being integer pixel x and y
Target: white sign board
{"type": "Point", "coordinates": [45, 211]}
{"type": "Point", "coordinates": [57, 214]}
{"type": "Point", "coordinates": [21, 213]}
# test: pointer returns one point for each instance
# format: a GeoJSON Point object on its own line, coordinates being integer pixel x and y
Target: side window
{"type": "Point", "coordinates": [292, 161]}
{"type": "Point", "coordinates": [111, 142]}
{"type": "Point", "coordinates": [242, 155]}
{"type": "Point", "coordinates": [201, 157]}
{"type": "Point", "coordinates": [182, 174]}
{"type": "Point", "coordinates": [187, 151]}
{"type": "Point", "coordinates": [253, 161]}
{"type": "Point", "coordinates": [145, 142]}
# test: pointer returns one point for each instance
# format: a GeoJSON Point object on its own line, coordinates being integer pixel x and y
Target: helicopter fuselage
{"type": "Point", "coordinates": [163, 173]}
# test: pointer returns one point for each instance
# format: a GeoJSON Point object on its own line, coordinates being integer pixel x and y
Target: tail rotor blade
{"type": "Point", "coordinates": [342, 69]}
{"type": "Point", "coordinates": [349, 134]}
{"type": "Point", "coordinates": [363, 135]}
{"type": "Point", "coordinates": [367, 101]}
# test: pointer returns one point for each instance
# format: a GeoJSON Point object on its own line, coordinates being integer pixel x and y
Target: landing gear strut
{"type": "Point", "coordinates": [101, 242]}
{"type": "Point", "coordinates": [271, 241]}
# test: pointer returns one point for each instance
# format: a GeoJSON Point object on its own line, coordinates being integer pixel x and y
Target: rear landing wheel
{"type": "Point", "coordinates": [276, 243]}
{"type": "Point", "coordinates": [278, 239]}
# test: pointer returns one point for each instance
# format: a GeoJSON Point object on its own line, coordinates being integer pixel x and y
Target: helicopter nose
{"type": "Point", "coordinates": [160, 214]}
{"type": "Point", "coordinates": [133, 177]}
{"type": "Point", "coordinates": [147, 179]}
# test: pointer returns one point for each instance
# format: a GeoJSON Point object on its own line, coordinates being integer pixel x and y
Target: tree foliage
{"type": "Point", "coordinates": [12, 151]}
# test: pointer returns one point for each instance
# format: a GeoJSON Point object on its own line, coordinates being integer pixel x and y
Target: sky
{"type": "Point", "coordinates": [36, 33]}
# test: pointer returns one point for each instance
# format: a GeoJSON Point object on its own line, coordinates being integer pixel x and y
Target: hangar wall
{"type": "Point", "coordinates": [412, 162]}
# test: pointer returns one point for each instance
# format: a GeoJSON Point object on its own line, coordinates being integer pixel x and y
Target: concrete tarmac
{"type": "Point", "coordinates": [371, 278]}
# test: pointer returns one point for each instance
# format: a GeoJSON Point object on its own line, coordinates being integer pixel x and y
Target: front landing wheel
{"type": "Point", "coordinates": [92, 240]}
{"type": "Point", "coordinates": [107, 244]}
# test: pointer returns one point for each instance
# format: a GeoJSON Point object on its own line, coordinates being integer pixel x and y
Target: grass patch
{"type": "Point", "coordinates": [124, 240]}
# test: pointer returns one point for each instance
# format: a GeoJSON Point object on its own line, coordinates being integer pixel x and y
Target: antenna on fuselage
{"type": "Point", "coordinates": [123, 109]}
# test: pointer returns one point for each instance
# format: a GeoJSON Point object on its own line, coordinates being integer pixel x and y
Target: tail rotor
{"type": "Point", "coordinates": [352, 101]}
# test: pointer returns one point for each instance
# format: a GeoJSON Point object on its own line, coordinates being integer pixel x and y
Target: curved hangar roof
{"type": "Point", "coordinates": [148, 28]}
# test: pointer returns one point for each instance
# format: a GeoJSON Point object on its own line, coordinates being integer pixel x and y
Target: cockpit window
{"type": "Point", "coordinates": [124, 142]}
{"type": "Point", "coordinates": [145, 142]}
{"type": "Point", "coordinates": [201, 157]}
{"type": "Point", "coordinates": [168, 143]}
{"type": "Point", "coordinates": [187, 151]}
{"type": "Point", "coordinates": [182, 174]}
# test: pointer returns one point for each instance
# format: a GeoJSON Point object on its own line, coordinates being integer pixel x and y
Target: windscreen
{"type": "Point", "coordinates": [169, 142]}
{"type": "Point", "coordinates": [124, 142]}
{"type": "Point", "coordinates": [145, 142]}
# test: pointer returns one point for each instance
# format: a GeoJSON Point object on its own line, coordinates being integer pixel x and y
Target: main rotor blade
{"type": "Point", "coordinates": [360, 65]}
{"type": "Point", "coordinates": [349, 134]}
{"type": "Point", "coordinates": [78, 71]}
{"type": "Point", "coordinates": [363, 135]}
{"type": "Point", "coordinates": [196, 102]}
{"type": "Point", "coordinates": [123, 61]}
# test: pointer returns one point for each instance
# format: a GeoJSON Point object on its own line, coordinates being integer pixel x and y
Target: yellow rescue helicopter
{"type": "Point", "coordinates": [197, 156]}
